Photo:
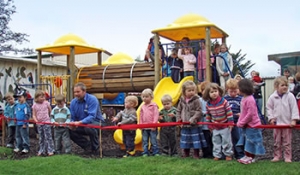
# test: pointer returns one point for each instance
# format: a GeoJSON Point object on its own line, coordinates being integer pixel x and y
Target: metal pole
{"type": "Point", "coordinates": [3, 132]}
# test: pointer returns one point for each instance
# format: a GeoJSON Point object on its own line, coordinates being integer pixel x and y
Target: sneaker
{"type": "Point", "coordinates": [288, 160]}
{"type": "Point", "coordinates": [275, 160]}
{"type": "Point", "coordinates": [50, 154]}
{"type": "Point", "coordinates": [247, 160]}
{"type": "Point", "coordinates": [16, 150]}
{"type": "Point", "coordinates": [145, 155]}
{"type": "Point", "coordinates": [156, 155]}
{"type": "Point", "coordinates": [228, 158]}
{"type": "Point", "coordinates": [25, 151]}
{"type": "Point", "coordinates": [9, 145]}
{"type": "Point", "coordinates": [216, 159]}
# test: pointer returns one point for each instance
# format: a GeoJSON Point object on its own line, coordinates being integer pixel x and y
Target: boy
{"type": "Point", "coordinates": [10, 116]}
{"type": "Point", "coordinates": [234, 100]}
{"type": "Point", "coordinates": [128, 116]}
{"type": "Point", "coordinates": [167, 134]}
{"type": "Point", "coordinates": [22, 113]}
{"type": "Point", "coordinates": [60, 114]}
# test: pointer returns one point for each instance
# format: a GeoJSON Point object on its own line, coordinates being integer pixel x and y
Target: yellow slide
{"type": "Point", "coordinates": [165, 86]}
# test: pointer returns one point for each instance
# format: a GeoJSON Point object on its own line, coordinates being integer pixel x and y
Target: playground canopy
{"type": "Point", "coordinates": [192, 26]}
{"type": "Point", "coordinates": [62, 46]}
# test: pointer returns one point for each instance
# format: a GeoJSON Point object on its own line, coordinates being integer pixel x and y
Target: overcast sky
{"type": "Point", "coordinates": [259, 28]}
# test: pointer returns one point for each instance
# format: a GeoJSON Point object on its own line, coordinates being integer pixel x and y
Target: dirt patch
{"type": "Point", "coordinates": [111, 149]}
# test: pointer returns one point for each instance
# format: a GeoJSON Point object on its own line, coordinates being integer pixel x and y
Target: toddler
{"type": "Point", "coordinates": [9, 113]}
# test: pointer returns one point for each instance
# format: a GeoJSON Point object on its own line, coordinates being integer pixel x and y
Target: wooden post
{"type": "Point", "coordinates": [223, 39]}
{"type": "Point", "coordinates": [68, 95]}
{"type": "Point", "coordinates": [99, 58]}
{"type": "Point", "coordinates": [3, 132]}
{"type": "Point", "coordinates": [72, 71]}
{"type": "Point", "coordinates": [100, 140]}
{"type": "Point", "coordinates": [39, 68]}
{"type": "Point", "coordinates": [208, 51]}
{"type": "Point", "coordinates": [157, 60]}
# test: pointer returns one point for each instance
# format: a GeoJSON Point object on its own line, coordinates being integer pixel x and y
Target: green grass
{"type": "Point", "coordinates": [71, 164]}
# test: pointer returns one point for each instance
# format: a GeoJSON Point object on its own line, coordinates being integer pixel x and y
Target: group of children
{"type": "Point", "coordinates": [182, 62]}
{"type": "Point", "coordinates": [18, 114]}
{"type": "Point", "coordinates": [230, 122]}
{"type": "Point", "coordinates": [229, 129]}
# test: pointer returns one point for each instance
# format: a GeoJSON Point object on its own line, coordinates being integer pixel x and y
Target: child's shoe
{"type": "Point", "coordinates": [196, 154]}
{"type": "Point", "coordinates": [247, 160]}
{"type": "Point", "coordinates": [186, 153]}
{"type": "Point", "coordinates": [287, 160]}
{"type": "Point", "coordinates": [9, 145]}
{"type": "Point", "coordinates": [275, 159]}
{"type": "Point", "coordinates": [228, 158]}
{"type": "Point", "coordinates": [216, 159]}
{"type": "Point", "coordinates": [16, 150]}
{"type": "Point", "coordinates": [25, 151]}
{"type": "Point", "coordinates": [50, 154]}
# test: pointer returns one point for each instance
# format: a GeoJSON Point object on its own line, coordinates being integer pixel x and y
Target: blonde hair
{"type": "Point", "coordinates": [132, 99]}
{"type": "Point", "coordinates": [188, 48]}
{"type": "Point", "coordinates": [291, 78]}
{"type": "Point", "coordinates": [166, 98]}
{"type": "Point", "coordinates": [278, 80]}
{"type": "Point", "coordinates": [232, 84]}
{"type": "Point", "coordinates": [238, 76]}
{"type": "Point", "coordinates": [59, 98]}
{"type": "Point", "coordinates": [37, 94]}
{"type": "Point", "coordinates": [210, 86]}
{"type": "Point", "coordinates": [223, 44]}
{"type": "Point", "coordinates": [148, 91]}
{"type": "Point", "coordinates": [8, 95]}
{"type": "Point", "coordinates": [186, 85]}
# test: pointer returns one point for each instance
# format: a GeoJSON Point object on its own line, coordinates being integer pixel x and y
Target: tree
{"type": "Point", "coordinates": [241, 64]}
{"type": "Point", "coordinates": [8, 38]}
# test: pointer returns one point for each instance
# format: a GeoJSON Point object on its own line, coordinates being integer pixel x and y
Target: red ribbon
{"type": "Point", "coordinates": [151, 125]}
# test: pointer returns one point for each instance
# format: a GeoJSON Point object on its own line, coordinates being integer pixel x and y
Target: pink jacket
{"type": "Point", "coordinates": [201, 59]}
{"type": "Point", "coordinates": [149, 113]}
{"type": "Point", "coordinates": [188, 61]}
{"type": "Point", "coordinates": [249, 115]}
{"type": "Point", "coordinates": [283, 109]}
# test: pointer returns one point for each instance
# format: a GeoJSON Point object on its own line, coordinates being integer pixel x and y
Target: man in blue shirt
{"type": "Point", "coordinates": [85, 109]}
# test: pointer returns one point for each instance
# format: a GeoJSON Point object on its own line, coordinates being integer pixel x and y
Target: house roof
{"type": "Point", "coordinates": [192, 26]}
{"type": "Point", "coordinates": [278, 57]}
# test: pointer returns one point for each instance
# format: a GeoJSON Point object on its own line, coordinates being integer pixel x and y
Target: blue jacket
{"type": "Point", "coordinates": [22, 112]}
{"type": "Point", "coordinates": [87, 110]}
{"type": "Point", "coordinates": [9, 113]}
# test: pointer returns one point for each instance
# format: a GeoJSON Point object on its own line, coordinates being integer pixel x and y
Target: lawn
{"type": "Point", "coordinates": [72, 164]}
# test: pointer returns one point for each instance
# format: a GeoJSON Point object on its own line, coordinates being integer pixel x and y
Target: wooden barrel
{"type": "Point", "coordinates": [117, 78]}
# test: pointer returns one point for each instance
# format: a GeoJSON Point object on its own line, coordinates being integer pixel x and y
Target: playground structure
{"type": "Point", "coordinates": [133, 77]}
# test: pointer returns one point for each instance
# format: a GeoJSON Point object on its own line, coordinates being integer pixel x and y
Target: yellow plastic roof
{"type": "Point", "coordinates": [192, 26]}
{"type": "Point", "coordinates": [62, 46]}
{"type": "Point", "coordinates": [119, 58]}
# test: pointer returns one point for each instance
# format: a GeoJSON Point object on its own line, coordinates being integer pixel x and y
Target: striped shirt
{"type": "Point", "coordinates": [219, 112]}
{"type": "Point", "coordinates": [235, 104]}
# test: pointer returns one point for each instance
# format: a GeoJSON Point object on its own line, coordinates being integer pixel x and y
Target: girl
{"type": "Point", "coordinates": [40, 113]}
{"type": "Point", "coordinates": [189, 110]}
{"type": "Point", "coordinates": [219, 111]}
{"type": "Point", "coordinates": [176, 67]}
{"type": "Point", "coordinates": [189, 61]}
{"type": "Point", "coordinates": [282, 110]}
{"type": "Point", "coordinates": [251, 137]}
{"type": "Point", "coordinates": [149, 114]}
{"type": "Point", "coordinates": [9, 113]}
{"type": "Point", "coordinates": [224, 66]}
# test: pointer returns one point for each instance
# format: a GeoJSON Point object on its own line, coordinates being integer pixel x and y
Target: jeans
{"type": "Point", "coordinates": [235, 135]}
{"type": "Point", "coordinates": [78, 137]}
{"type": "Point", "coordinates": [62, 139]}
{"type": "Point", "coordinates": [146, 134]}
{"type": "Point", "coordinates": [188, 73]}
{"type": "Point", "coordinates": [259, 104]}
{"type": "Point", "coordinates": [128, 139]}
{"type": "Point", "coordinates": [11, 135]}
{"type": "Point", "coordinates": [22, 137]}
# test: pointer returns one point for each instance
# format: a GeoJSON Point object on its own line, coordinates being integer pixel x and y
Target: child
{"type": "Point", "coordinates": [256, 78]}
{"type": "Point", "coordinates": [189, 61]}
{"type": "Point", "coordinates": [291, 84]}
{"type": "Point", "coordinates": [251, 137]}
{"type": "Point", "coordinates": [22, 113]}
{"type": "Point", "coordinates": [176, 67]}
{"type": "Point", "coordinates": [234, 100]}
{"type": "Point", "coordinates": [219, 111]}
{"type": "Point", "coordinates": [282, 110]}
{"type": "Point", "coordinates": [40, 113]}
{"type": "Point", "coordinates": [128, 116]}
{"type": "Point", "coordinates": [10, 116]}
{"type": "Point", "coordinates": [207, 151]}
{"type": "Point", "coordinates": [60, 114]}
{"type": "Point", "coordinates": [149, 114]}
{"type": "Point", "coordinates": [224, 66]}
{"type": "Point", "coordinates": [168, 134]}
{"type": "Point", "coordinates": [238, 77]}
{"type": "Point", "coordinates": [189, 110]}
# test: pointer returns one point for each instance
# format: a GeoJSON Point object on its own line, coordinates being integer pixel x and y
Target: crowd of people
{"type": "Point", "coordinates": [229, 132]}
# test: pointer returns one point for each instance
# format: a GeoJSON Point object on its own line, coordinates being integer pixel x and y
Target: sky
{"type": "Point", "coordinates": [258, 28]}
